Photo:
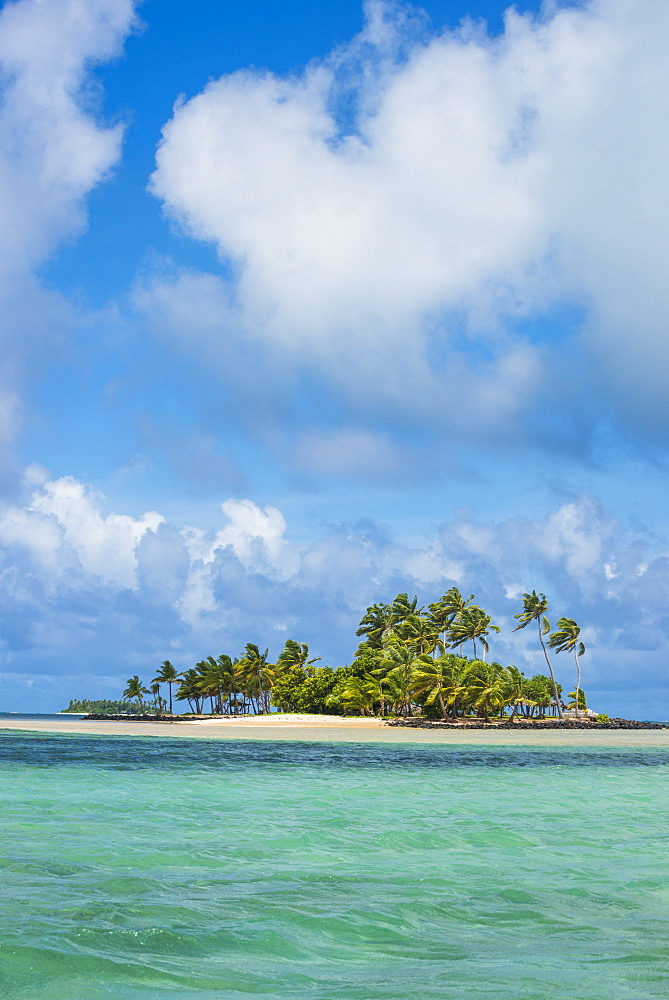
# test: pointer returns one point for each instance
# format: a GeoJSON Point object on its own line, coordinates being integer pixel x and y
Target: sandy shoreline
{"type": "Point", "coordinates": [336, 729]}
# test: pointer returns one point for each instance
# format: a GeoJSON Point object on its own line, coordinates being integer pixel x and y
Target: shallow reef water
{"type": "Point", "coordinates": [147, 869]}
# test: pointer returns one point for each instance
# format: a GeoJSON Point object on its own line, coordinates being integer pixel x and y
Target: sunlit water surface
{"type": "Point", "coordinates": [139, 869]}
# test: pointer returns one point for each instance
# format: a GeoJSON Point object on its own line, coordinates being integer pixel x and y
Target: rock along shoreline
{"type": "Point", "coordinates": [526, 724]}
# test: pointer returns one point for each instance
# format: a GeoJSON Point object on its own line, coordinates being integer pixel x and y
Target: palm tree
{"type": "Point", "coordinates": [135, 689]}
{"type": "Point", "coordinates": [535, 607]}
{"type": "Point", "coordinates": [167, 674]}
{"type": "Point", "coordinates": [214, 680]}
{"type": "Point", "coordinates": [225, 674]}
{"type": "Point", "coordinates": [155, 691]}
{"type": "Point", "coordinates": [375, 624]}
{"type": "Point", "coordinates": [404, 607]}
{"type": "Point", "coordinates": [582, 700]}
{"type": "Point", "coordinates": [204, 683]}
{"type": "Point", "coordinates": [381, 622]}
{"type": "Point", "coordinates": [190, 689]}
{"type": "Point", "coordinates": [516, 684]}
{"type": "Point", "coordinates": [358, 693]}
{"type": "Point", "coordinates": [295, 654]}
{"type": "Point", "coordinates": [260, 672]}
{"type": "Point", "coordinates": [237, 687]}
{"type": "Point", "coordinates": [457, 678]}
{"type": "Point", "coordinates": [487, 687]}
{"type": "Point", "coordinates": [472, 624]}
{"type": "Point", "coordinates": [565, 639]}
{"type": "Point", "coordinates": [398, 673]}
{"type": "Point", "coordinates": [431, 677]}
{"type": "Point", "coordinates": [419, 632]}
{"type": "Point", "coordinates": [451, 606]}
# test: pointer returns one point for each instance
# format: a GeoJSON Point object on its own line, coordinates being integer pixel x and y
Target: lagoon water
{"type": "Point", "coordinates": [160, 869]}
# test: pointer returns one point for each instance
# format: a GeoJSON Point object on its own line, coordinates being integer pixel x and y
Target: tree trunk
{"type": "Point", "coordinates": [555, 690]}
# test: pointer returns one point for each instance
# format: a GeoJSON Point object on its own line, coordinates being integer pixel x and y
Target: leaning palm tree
{"type": "Point", "coordinates": [431, 678]}
{"type": "Point", "coordinates": [260, 673]}
{"type": "Point", "coordinates": [419, 632]}
{"type": "Point", "coordinates": [154, 688]}
{"type": "Point", "coordinates": [294, 654]}
{"type": "Point", "coordinates": [472, 624]}
{"type": "Point", "coordinates": [360, 694]}
{"type": "Point", "coordinates": [376, 624]}
{"type": "Point", "coordinates": [238, 689]}
{"type": "Point", "coordinates": [167, 674]}
{"type": "Point", "coordinates": [398, 675]}
{"type": "Point", "coordinates": [404, 607]}
{"type": "Point", "coordinates": [515, 689]}
{"type": "Point", "coordinates": [449, 608]}
{"type": "Point", "coordinates": [190, 689]}
{"type": "Point", "coordinates": [458, 672]}
{"type": "Point", "coordinates": [565, 639]}
{"type": "Point", "coordinates": [488, 688]}
{"type": "Point", "coordinates": [135, 689]}
{"type": "Point", "coordinates": [535, 607]}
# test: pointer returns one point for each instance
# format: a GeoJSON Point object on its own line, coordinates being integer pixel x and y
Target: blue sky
{"type": "Point", "coordinates": [303, 305]}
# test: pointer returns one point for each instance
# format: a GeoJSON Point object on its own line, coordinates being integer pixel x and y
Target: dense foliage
{"type": "Point", "coordinates": [103, 706]}
{"type": "Point", "coordinates": [404, 664]}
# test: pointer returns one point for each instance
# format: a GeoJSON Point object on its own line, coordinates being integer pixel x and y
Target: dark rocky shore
{"type": "Point", "coordinates": [527, 724]}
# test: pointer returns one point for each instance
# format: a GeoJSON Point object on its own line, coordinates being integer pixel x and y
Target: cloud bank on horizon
{"type": "Point", "coordinates": [440, 256]}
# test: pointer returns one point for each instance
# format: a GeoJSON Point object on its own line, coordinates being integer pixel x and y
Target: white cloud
{"type": "Point", "coordinates": [53, 151]}
{"type": "Point", "coordinates": [482, 177]}
{"type": "Point", "coordinates": [63, 522]}
{"type": "Point", "coordinates": [255, 535]}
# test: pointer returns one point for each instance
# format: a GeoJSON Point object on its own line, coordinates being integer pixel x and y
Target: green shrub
{"type": "Point", "coordinates": [602, 718]}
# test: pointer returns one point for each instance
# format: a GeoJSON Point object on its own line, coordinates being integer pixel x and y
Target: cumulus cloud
{"type": "Point", "coordinates": [478, 180]}
{"type": "Point", "coordinates": [63, 524]}
{"type": "Point", "coordinates": [95, 589]}
{"type": "Point", "coordinates": [53, 151]}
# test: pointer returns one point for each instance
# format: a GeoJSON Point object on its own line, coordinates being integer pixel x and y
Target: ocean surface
{"type": "Point", "coordinates": [44, 716]}
{"type": "Point", "coordinates": [159, 869]}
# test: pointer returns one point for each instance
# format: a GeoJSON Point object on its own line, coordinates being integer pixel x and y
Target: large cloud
{"type": "Point", "coordinates": [478, 180]}
{"type": "Point", "coordinates": [112, 594]}
{"type": "Point", "coordinates": [52, 153]}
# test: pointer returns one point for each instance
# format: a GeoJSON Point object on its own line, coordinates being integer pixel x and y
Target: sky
{"type": "Point", "coordinates": [304, 305]}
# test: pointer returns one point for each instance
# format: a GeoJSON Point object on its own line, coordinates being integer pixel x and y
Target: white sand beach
{"type": "Point", "coordinates": [337, 729]}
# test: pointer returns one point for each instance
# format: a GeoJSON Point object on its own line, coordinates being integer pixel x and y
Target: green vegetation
{"type": "Point", "coordinates": [102, 706]}
{"type": "Point", "coordinates": [403, 666]}
{"type": "Point", "coordinates": [167, 674]}
{"type": "Point", "coordinates": [135, 689]}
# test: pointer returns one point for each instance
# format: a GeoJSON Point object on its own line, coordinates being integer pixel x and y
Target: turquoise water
{"type": "Point", "coordinates": [140, 869]}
